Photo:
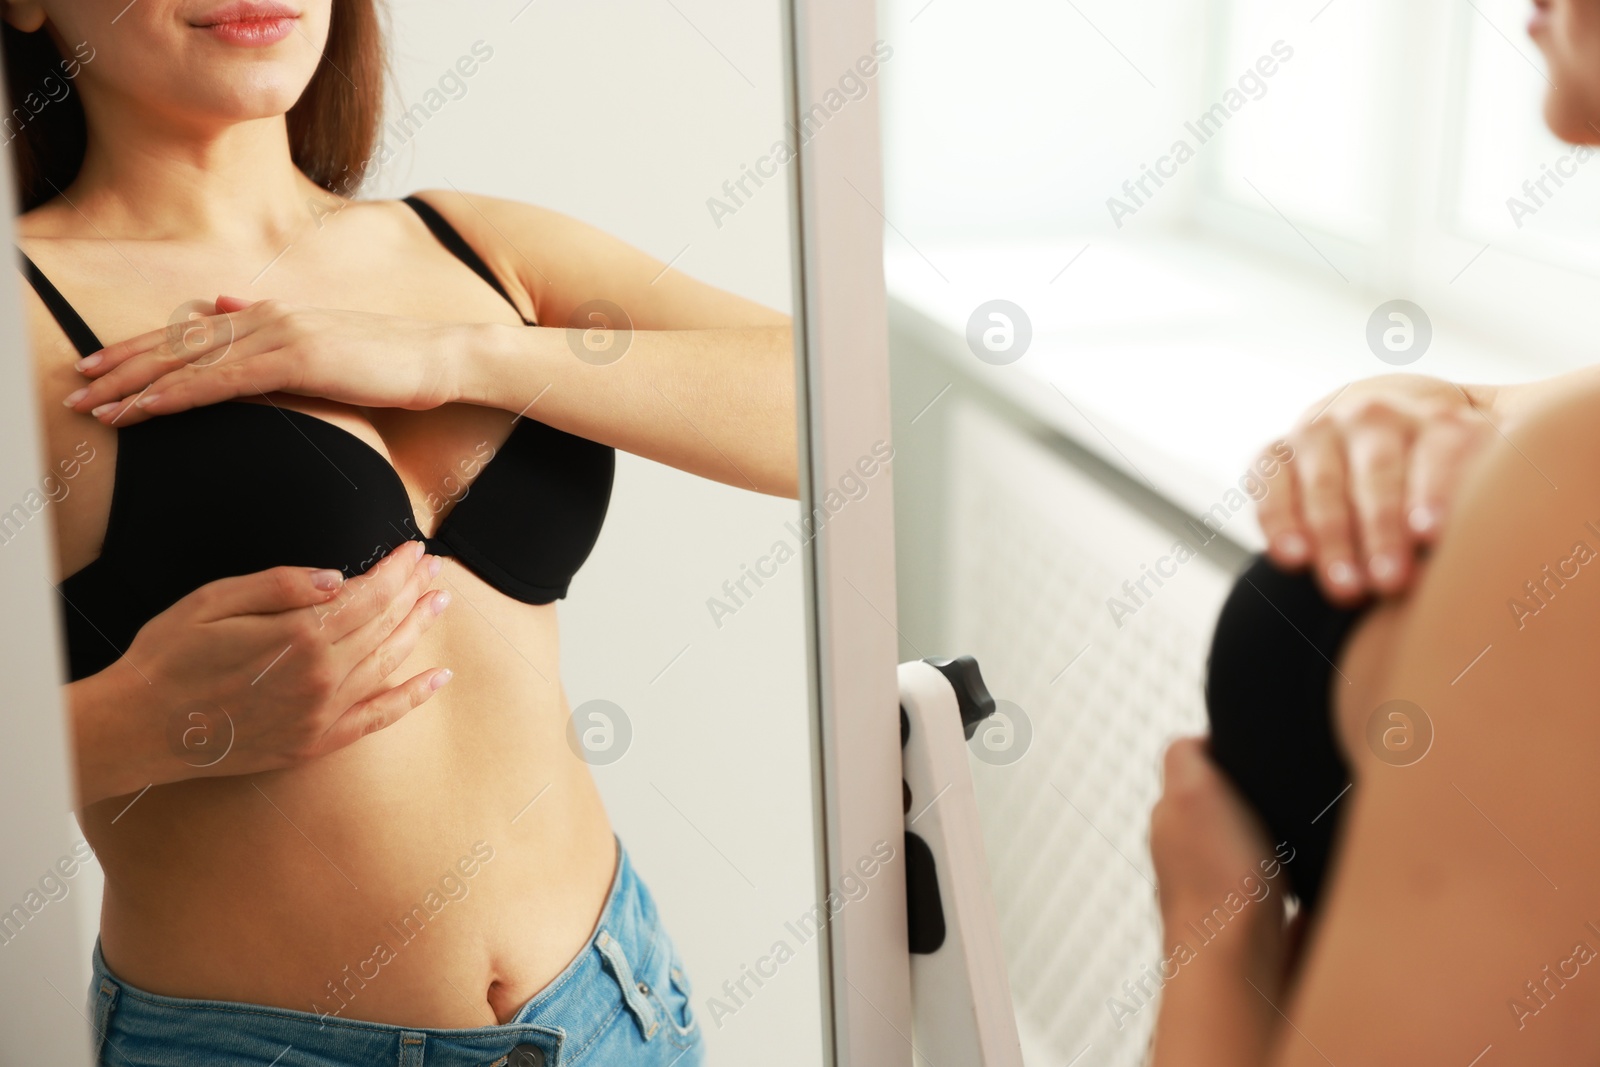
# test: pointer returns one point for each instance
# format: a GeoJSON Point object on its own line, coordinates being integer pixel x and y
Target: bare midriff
{"type": "Point", "coordinates": [438, 873]}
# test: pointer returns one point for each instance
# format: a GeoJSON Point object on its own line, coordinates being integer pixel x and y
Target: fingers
{"type": "Point", "coordinates": [177, 343]}
{"type": "Point", "coordinates": [383, 710]}
{"type": "Point", "coordinates": [355, 644]}
{"type": "Point", "coordinates": [1324, 479]}
{"type": "Point", "coordinates": [366, 597]}
{"type": "Point", "coordinates": [160, 384]}
{"type": "Point", "coordinates": [1438, 458]}
{"type": "Point", "coordinates": [373, 671]}
{"type": "Point", "coordinates": [268, 592]}
{"type": "Point", "coordinates": [1377, 467]}
{"type": "Point", "coordinates": [1278, 512]}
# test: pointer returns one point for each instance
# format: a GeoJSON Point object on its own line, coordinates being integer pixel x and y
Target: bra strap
{"type": "Point", "coordinates": [66, 316]}
{"type": "Point", "coordinates": [452, 239]}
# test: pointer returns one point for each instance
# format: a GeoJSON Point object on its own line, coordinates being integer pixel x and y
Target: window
{"type": "Point", "coordinates": [1377, 149]}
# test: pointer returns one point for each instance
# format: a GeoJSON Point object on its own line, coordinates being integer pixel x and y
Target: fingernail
{"type": "Point", "coordinates": [89, 362]}
{"type": "Point", "coordinates": [1384, 567]}
{"type": "Point", "coordinates": [441, 679]}
{"type": "Point", "coordinates": [434, 566]}
{"type": "Point", "coordinates": [327, 579]}
{"type": "Point", "coordinates": [441, 602]}
{"type": "Point", "coordinates": [418, 550]}
{"type": "Point", "coordinates": [105, 409]}
{"type": "Point", "coordinates": [1341, 573]}
{"type": "Point", "coordinates": [1423, 519]}
{"type": "Point", "coordinates": [75, 396]}
{"type": "Point", "coordinates": [146, 400]}
{"type": "Point", "coordinates": [1292, 545]}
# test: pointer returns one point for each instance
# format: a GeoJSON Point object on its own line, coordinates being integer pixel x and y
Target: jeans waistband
{"type": "Point", "coordinates": [552, 1028]}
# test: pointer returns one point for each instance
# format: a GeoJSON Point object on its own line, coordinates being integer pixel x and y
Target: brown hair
{"type": "Point", "coordinates": [333, 127]}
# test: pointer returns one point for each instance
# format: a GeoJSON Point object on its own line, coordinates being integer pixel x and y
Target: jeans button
{"type": "Point", "coordinates": [526, 1056]}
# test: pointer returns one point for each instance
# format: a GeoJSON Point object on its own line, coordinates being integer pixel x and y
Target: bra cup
{"type": "Point", "coordinates": [236, 488]}
{"type": "Point", "coordinates": [530, 520]}
{"type": "Point", "coordinates": [223, 491]}
{"type": "Point", "coordinates": [1268, 696]}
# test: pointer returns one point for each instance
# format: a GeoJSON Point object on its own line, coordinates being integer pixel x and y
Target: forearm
{"type": "Point", "coordinates": [1218, 1010]}
{"type": "Point", "coordinates": [118, 738]}
{"type": "Point", "coordinates": [717, 403]}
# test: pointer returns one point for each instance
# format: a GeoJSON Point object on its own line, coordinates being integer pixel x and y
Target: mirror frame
{"type": "Point", "coordinates": [842, 398]}
{"type": "Point", "coordinates": [35, 772]}
{"type": "Point", "coordinates": [842, 401]}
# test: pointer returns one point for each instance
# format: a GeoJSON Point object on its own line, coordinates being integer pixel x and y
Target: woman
{"type": "Point", "coordinates": [1460, 920]}
{"type": "Point", "coordinates": [310, 841]}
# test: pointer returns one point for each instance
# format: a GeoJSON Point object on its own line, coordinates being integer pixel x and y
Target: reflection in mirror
{"type": "Point", "coordinates": [1128, 250]}
{"type": "Point", "coordinates": [417, 364]}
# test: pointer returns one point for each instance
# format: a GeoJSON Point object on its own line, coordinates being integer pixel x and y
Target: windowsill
{"type": "Point", "coordinates": [1173, 360]}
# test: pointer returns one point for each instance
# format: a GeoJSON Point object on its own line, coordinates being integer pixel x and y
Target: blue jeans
{"type": "Point", "coordinates": [623, 1001]}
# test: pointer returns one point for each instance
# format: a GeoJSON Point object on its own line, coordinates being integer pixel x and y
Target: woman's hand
{"type": "Point", "coordinates": [1210, 852]}
{"type": "Point", "coordinates": [1374, 472]}
{"type": "Point", "coordinates": [1205, 841]}
{"type": "Point", "coordinates": [251, 349]}
{"type": "Point", "coordinates": [259, 673]}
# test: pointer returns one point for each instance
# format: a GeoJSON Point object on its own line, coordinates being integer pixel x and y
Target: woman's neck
{"type": "Point", "coordinates": [146, 179]}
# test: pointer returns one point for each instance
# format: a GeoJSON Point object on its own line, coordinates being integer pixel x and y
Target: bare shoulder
{"type": "Point", "coordinates": [564, 264]}
{"type": "Point", "coordinates": [53, 218]}
{"type": "Point", "coordinates": [1487, 823]}
{"type": "Point", "coordinates": [522, 243]}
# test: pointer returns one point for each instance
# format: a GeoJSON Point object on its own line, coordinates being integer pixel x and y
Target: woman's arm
{"type": "Point", "coordinates": [560, 264]}
{"type": "Point", "coordinates": [717, 403]}
{"type": "Point", "coordinates": [117, 741]}
{"type": "Point", "coordinates": [632, 353]}
{"type": "Point", "coordinates": [705, 382]}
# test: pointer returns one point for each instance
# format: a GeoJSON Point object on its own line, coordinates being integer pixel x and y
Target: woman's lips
{"type": "Point", "coordinates": [252, 33]}
{"type": "Point", "coordinates": [251, 23]}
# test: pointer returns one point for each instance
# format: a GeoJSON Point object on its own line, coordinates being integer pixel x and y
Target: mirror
{"type": "Point", "coordinates": [1127, 247]}
{"type": "Point", "coordinates": [617, 170]}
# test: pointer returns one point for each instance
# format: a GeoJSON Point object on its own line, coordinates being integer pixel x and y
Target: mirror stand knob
{"type": "Point", "coordinates": [972, 695]}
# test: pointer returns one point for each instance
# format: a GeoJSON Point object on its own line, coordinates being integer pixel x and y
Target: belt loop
{"type": "Point", "coordinates": [637, 999]}
{"type": "Point", "coordinates": [103, 1004]}
{"type": "Point", "coordinates": [412, 1046]}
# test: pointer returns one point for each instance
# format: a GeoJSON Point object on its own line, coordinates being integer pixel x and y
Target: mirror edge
{"type": "Point", "coordinates": [843, 407]}
{"type": "Point", "coordinates": [35, 771]}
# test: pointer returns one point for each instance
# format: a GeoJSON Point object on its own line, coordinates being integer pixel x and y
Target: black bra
{"type": "Point", "coordinates": [238, 487]}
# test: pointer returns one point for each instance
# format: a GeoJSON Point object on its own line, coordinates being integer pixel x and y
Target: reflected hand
{"type": "Point", "coordinates": [285, 668]}
{"type": "Point", "coordinates": [250, 349]}
{"type": "Point", "coordinates": [1373, 474]}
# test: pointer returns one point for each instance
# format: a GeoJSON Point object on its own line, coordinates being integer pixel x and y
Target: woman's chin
{"type": "Point", "coordinates": [1571, 120]}
{"type": "Point", "coordinates": [238, 101]}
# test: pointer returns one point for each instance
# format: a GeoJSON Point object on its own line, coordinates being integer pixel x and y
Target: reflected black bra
{"type": "Point", "coordinates": [238, 487]}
